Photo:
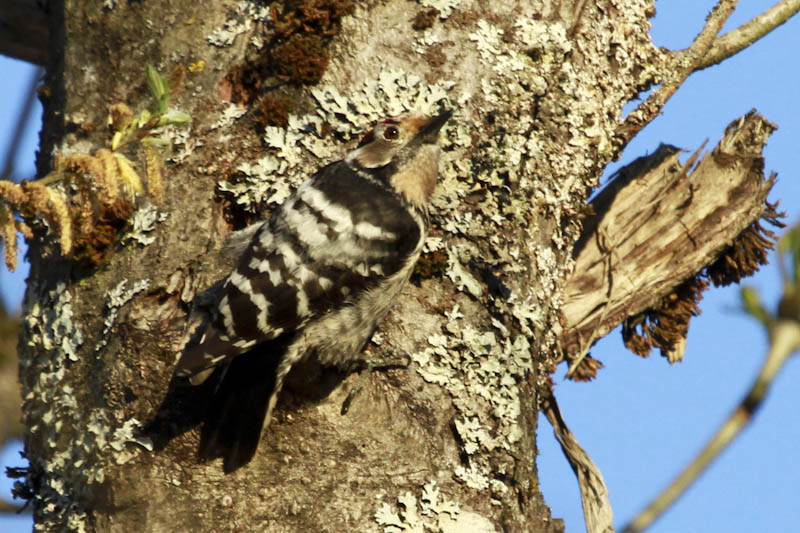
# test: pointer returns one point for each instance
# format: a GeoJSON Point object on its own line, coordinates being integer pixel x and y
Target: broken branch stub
{"type": "Point", "coordinates": [658, 224]}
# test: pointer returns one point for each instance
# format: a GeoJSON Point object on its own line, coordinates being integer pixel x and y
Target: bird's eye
{"type": "Point", "coordinates": [391, 133]}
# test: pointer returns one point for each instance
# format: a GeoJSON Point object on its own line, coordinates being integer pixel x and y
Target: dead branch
{"type": "Point", "coordinates": [737, 40]}
{"type": "Point", "coordinates": [683, 63]}
{"type": "Point", "coordinates": [659, 223]}
{"type": "Point", "coordinates": [597, 511]}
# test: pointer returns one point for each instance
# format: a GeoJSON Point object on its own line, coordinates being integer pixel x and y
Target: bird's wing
{"type": "Point", "coordinates": [340, 234]}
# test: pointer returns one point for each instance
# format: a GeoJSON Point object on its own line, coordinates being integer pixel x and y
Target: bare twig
{"type": "Point", "coordinates": [785, 337]}
{"type": "Point", "coordinates": [684, 62]}
{"type": "Point", "coordinates": [736, 40]}
{"type": "Point", "coordinates": [594, 493]}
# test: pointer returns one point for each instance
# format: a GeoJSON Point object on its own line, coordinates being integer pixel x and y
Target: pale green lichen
{"type": "Point", "coordinates": [51, 411]}
{"type": "Point", "coordinates": [460, 276]}
{"type": "Point", "coordinates": [479, 366]}
{"type": "Point", "coordinates": [144, 222]}
{"type": "Point", "coordinates": [50, 405]}
{"type": "Point", "coordinates": [272, 178]}
{"type": "Point", "coordinates": [445, 7]}
{"type": "Point", "coordinates": [239, 22]}
{"type": "Point", "coordinates": [115, 299]}
{"type": "Point", "coordinates": [432, 513]}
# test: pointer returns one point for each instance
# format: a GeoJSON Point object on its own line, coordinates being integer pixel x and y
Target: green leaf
{"type": "Point", "coordinates": [751, 301]}
{"type": "Point", "coordinates": [174, 117]}
{"type": "Point", "coordinates": [156, 142]}
{"type": "Point", "coordinates": [159, 87]}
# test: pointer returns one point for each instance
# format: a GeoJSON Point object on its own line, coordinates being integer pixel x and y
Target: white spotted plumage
{"type": "Point", "coordinates": [317, 277]}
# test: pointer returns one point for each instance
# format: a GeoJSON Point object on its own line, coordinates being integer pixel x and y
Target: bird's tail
{"type": "Point", "coordinates": [241, 407]}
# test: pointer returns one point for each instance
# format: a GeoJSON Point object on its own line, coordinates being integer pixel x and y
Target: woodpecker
{"type": "Point", "coordinates": [315, 279]}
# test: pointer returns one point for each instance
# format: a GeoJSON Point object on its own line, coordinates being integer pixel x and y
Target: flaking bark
{"type": "Point", "coordinates": [660, 222]}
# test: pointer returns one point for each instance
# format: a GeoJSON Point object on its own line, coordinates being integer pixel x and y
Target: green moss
{"type": "Point", "coordinates": [431, 265]}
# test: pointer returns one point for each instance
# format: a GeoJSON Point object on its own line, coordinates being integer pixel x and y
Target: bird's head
{"type": "Point", "coordinates": [403, 151]}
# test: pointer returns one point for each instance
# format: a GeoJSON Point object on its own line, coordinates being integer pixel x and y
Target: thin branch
{"type": "Point", "coordinates": [684, 62]}
{"type": "Point", "coordinates": [737, 40]}
{"type": "Point", "coordinates": [594, 493]}
{"type": "Point", "coordinates": [785, 341]}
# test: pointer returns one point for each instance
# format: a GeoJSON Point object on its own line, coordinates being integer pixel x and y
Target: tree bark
{"type": "Point", "coordinates": [449, 443]}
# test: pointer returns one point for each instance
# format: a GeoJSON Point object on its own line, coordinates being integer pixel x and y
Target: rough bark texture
{"type": "Point", "coordinates": [538, 89]}
{"type": "Point", "coordinates": [660, 222]}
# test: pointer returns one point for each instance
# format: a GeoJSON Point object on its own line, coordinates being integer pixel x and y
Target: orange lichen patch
{"type": "Point", "coordinates": [320, 17]}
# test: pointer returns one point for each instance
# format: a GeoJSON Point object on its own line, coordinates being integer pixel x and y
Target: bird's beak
{"type": "Point", "coordinates": [429, 133]}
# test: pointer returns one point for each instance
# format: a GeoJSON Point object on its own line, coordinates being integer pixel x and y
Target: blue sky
{"type": "Point", "coordinates": [642, 419]}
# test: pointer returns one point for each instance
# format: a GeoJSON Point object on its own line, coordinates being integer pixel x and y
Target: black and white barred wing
{"type": "Point", "coordinates": [339, 235]}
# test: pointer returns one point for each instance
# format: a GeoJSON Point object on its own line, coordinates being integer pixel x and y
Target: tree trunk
{"type": "Point", "coordinates": [273, 94]}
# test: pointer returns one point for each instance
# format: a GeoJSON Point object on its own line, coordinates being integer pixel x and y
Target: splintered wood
{"type": "Point", "coordinates": [657, 224]}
